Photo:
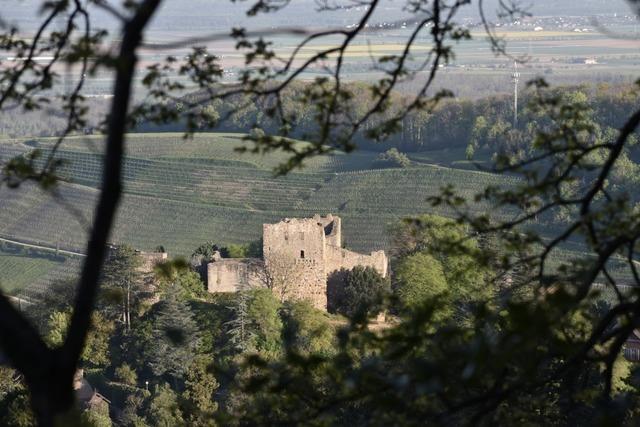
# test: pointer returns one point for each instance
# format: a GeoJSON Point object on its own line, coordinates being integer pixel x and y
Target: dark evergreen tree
{"type": "Point", "coordinates": [239, 327]}
{"type": "Point", "coordinates": [122, 281]}
{"type": "Point", "coordinates": [175, 337]}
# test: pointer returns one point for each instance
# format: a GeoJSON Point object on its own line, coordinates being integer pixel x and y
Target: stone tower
{"type": "Point", "coordinates": [296, 246]}
{"type": "Point", "coordinates": [314, 246]}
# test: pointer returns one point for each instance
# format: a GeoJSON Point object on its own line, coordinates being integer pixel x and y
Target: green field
{"type": "Point", "coordinates": [22, 268]}
{"type": "Point", "coordinates": [182, 193]}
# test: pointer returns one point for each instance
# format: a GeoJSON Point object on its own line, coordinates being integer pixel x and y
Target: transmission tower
{"type": "Point", "coordinates": [67, 80]}
{"type": "Point", "coordinates": [515, 78]}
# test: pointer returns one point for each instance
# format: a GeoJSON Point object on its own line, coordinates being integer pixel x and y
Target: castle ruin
{"type": "Point", "coordinates": [300, 256]}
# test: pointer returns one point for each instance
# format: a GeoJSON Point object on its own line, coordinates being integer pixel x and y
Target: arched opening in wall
{"type": "Point", "coordinates": [302, 254]}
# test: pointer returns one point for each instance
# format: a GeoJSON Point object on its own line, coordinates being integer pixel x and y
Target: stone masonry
{"type": "Point", "coordinates": [300, 254]}
{"type": "Point", "coordinates": [150, 260]}
{"type": "Point", "coordinates": [231, 274]}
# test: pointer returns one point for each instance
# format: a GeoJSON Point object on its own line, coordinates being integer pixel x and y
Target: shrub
{"type": "Point", "coordinates": [191, 285]}
{"type": "Point", "coordinates": [362, 293]}
{"type": "Point", "coordinates": [256, 134]}
{"type": "Point", "coordinates": [392, 158]}
{"type": "Point", "coordinates": [307, 330]}
{"type": "Point", "coordinates": [126, 374]}
{"type": "Point", "coordinates": [234, 250]}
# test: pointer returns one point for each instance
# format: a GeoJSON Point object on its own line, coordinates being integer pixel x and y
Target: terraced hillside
{"type": "Point", "coordinates": [181, 193]}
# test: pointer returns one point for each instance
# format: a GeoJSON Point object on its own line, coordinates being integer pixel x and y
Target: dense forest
{"type": "Point", "coordinates": [455, 123]}
{"type": "Point", "coordinates": [486, 123]}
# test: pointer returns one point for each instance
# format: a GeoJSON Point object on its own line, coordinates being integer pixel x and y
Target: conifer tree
{"type": "Point", "coordinates": [363, 291]}
{"type": "Point", "coordinates": [123, 280]}
{"type": "Point", "coordinates": [175, 337]}
{"type": "Point", "coordinates": [239, 331]}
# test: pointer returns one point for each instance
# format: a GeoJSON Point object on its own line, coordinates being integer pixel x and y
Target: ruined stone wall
{"type": "Point", "coordinates": [309, 282]}
{"type": "Point", "coordinates": [337, 258]}
{"type": "Point", "coordinates": [150, 260]}
{"type": "Point", "coordinates": [332, 229]}
{"type": "Point", "coordinates": [229, 275]}
{"type": "Point", "coordinates": [299, 244]}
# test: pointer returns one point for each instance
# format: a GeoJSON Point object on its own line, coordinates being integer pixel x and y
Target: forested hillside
{"type": "Point", "coordinates": [454, 122]}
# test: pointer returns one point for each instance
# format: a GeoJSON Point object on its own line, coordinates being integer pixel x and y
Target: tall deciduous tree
{"type": "Point", "coordinates": [453, 246]}
{"type": "Point", "coordinates": [49, 373]}
{"type": "Point", "coordinates": [419, 278]}
{"type": "Point", "coordinates": [96, 349]}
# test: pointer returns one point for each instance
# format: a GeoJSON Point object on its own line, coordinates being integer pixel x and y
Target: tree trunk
{"type": "Point", "coordinates": [124, 309]}
{"type": "Point", "coordinates": [128, 320]}
{"type": "Point", "coordinates": [50, 378]}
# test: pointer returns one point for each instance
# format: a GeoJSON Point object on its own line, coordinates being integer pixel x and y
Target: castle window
{"type": "Point", "coordinates": [302, 254]}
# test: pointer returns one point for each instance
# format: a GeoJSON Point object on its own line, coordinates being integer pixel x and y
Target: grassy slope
{"type": "Point", "coordinates": [182, 193]}
{"type": "Point", "coordinates": [26, 269]}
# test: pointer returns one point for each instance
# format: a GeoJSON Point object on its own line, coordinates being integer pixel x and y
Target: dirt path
{"type": "Point", "coordinates": [46, 248]}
